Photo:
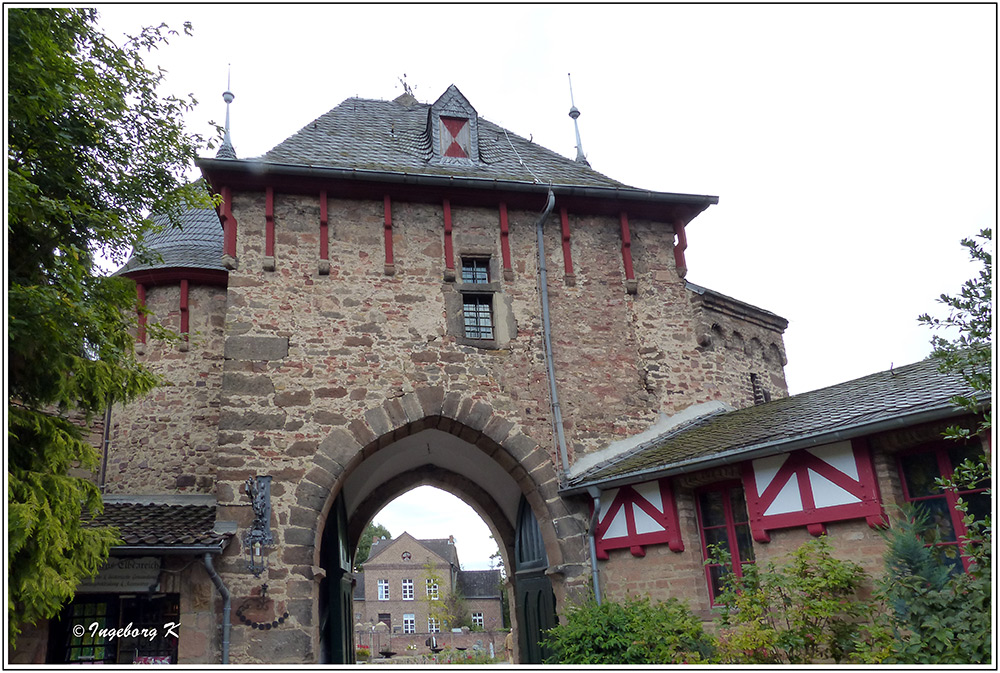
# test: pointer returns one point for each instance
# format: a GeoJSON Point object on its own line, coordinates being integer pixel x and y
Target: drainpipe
{"type": "Point", "coordinates": [547, 332]}
{"type": "Point", "coordinates": [226, 606]}
{"type": "Point", "coordinates": [594, 493]}
{"type": "Point", "coordinates": [105, 445]}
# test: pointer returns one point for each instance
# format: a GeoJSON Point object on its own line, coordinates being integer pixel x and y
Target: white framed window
{"type": "Point", "coordinates": [478, 620]}
{"type": "Point", "coordinates": [407, 590]}
{"type": "Point", "coordinates": [433, 625]}
{"type": "Point", "coordinates": [409, 623]}
{"type": "Point", "coordinates": [432, 590]}
{"type": "Point", "coordinates": [383, 590]}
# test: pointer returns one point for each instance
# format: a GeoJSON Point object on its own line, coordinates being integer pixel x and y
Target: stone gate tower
{"type": "Point", "coordinates": [399, 294]}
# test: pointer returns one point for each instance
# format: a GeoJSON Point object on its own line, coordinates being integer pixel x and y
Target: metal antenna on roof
{"type": "Point", "coordinates": [227, 151]}
{"type": "Point", "coordinates": [574, 113]}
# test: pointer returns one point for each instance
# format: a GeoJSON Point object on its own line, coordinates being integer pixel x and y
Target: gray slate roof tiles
{"type": "Point", "coordinates": [392, 136]}
{"type": "Point", "coordinates": [196, 243]}
{"type": "Point", "coordinates": [878, 397]}
{"type": "Point", "coordinates": [162, 525]}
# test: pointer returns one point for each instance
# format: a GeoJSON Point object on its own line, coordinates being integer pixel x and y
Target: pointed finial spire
{"type": "Point", "coordinates": [574, 113]}
{"type": "Point", "coordinates": [227, 151]}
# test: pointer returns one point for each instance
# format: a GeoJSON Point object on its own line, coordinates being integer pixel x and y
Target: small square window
{"type": "Point", "coordinates": [478, 620]}
{"type": "Point", "coordinates": [477, 312]}
{"type": "Point", "coordinates": [475, 270]}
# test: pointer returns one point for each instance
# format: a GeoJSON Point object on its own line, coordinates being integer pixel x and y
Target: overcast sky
{"type": "Point", "coordinates": [851, 146]}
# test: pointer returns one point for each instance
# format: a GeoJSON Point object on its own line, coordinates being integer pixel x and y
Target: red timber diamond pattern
{"type": "Point", "coordinates": [455, 137]}
{"type": "Point", "coordinates": [638, 515]}
{"type": "Point", "coordinates": [812, 487]}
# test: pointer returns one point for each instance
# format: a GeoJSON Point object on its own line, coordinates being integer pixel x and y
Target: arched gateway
{"type": "Point", "coordinates": [462, 446]}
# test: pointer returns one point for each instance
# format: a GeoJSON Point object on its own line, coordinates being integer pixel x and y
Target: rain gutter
{"type": "Point", "coordinates": [764, 449]}
{"type": "Point", "coordinates": [367, 175]}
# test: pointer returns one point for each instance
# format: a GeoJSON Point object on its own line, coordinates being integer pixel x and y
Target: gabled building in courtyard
{"type": "Point", "coordinates": [404, 293]}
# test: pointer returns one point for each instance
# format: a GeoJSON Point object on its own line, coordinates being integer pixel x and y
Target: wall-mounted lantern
{"type": "Point", "coordinates": [258, 538]}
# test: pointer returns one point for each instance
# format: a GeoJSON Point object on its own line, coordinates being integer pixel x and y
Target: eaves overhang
{"type": "Point", "coordinates": [370, 183]}
{"type": "Point", "coordinates": [768, 448]}
{"type": "Point", "coordinates": [169, 549]}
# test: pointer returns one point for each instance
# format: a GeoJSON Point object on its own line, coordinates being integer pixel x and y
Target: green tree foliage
{"type": "Point", "coordinates": [807, 610]}
{"type": "Point", "coordinates": [92, 148]}
{"type": "Point", "coordinates": [971, 314]}
{"type": "Point", "coordinates": [634, 632]}
{"type": "Point", "coordinates": [932, 613]}
{"type": "Point", "coordinates": [450, 608]}
{"type": "Point", "coordinates": [371, 531]}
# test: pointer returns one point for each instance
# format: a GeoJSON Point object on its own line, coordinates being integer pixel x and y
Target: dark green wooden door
{"type": "Point", "coordinates": [535, 603]}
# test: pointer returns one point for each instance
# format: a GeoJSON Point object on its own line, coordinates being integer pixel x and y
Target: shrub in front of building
{"type": "Point", "coordinates": [634, 632]}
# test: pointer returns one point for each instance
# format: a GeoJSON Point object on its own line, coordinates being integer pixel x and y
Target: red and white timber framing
{"type": "Point", "coordinates": [637, 515]}
{"type": "Point", "coordinates": [812, 487]}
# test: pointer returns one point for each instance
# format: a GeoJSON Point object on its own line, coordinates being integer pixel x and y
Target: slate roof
{"type": "Point", "coordinates": [864, 405]}
{"type": "Point", "coordinates": [479, 583]}
{"type": "Point", "coordinates": [158, 525]}
{"type": "Point", "coordinates": [195, 243]}
{"type": "Point", "coordinates": [366, 134]}
{"type": "Point", "coordinates": [442, 547]}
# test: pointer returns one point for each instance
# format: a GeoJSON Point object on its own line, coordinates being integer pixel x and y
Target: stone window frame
{"type": "Point", "coordinates": [383, 590]}
{"type": "Point", "coordinates": [409, 622]}
{"type": "Point", "coordinates": [502, 314]}
{"type": "Point", "coordinates": [407, 589]}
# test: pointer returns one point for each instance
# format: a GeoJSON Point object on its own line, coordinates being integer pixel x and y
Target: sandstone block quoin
{"type": "Point", "coordinates": [256, 348]}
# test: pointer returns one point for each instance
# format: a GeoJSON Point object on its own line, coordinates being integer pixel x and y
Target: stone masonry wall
{"type": "Point", "coordinates": [165, 442]}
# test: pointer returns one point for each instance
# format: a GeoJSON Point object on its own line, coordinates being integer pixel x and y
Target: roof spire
{"type": "Point", "coordinates": [574, 113]}
{"type": "Point", "coordinates": [226, 151]}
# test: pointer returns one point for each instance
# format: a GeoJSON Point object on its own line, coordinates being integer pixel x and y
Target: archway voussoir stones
{"type": "Point", "coordinates": [451, 404]}
{"type": "Point", "coordinates": [519, 446]}
{"type": "Point", "coordinates": [478, 416]}
{"type": "Point", "coordinates": [363, 434]}
{"type": "Point", "coordinates": [311, 495]}
{"type": "Point", "coordinates": [412, 409]}
{"type": "Point", "coordinates": [394, 410]}
{"type": "Point", "coordinates": [379, 421]}
{"type": "Point", "coordinates": [431, 400]}
{"type": "Point", "coordinates": [498, 428]}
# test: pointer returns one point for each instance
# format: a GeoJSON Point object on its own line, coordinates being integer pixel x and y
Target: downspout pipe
{"type": "Point", "coordinates": [547, 333]}
{"type": "Point", "coordinates": [226, 606]}
{"type": "Point", "coordinates": [594, 493]}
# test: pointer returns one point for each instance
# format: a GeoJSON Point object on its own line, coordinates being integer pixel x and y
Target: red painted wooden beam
{"type": "Point", "coordinates": [682, 244]}
{"type": "Point", "coordinates": [228, 227]}
{"type": "Point", "coordinates": [140, 291]}
{"type": "Point", "coordinates": [508, 272]}
{"type": "Point", "coordinates": [390, 265]}
{"type": "Point", "coordinates": [630, 283]}
{"type": "Point", "coordinates": [324, 235]}
{"type": "Point", "coordinates": [567, 253]}
{"type": "Point", "coordinates": [449, 255]}
{"type": "Point", "coordinates": [269, 222]}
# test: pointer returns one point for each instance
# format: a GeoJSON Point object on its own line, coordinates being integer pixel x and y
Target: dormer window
{"type": "Point", "coordinates": [455, 138]}
{"type": "Point", "coordinates": [453, 129]}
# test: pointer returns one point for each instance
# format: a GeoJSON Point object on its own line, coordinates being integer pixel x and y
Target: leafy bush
{"type": "Point", "coordinates": [634, 632]}
{"type": "Point", "coordinates": [932, 614]}
{"type": "Point", "coordinates": [806, 611]}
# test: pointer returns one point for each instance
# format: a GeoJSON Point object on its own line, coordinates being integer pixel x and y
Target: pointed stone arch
{"type": "Point", "coordinates": [466, 417]}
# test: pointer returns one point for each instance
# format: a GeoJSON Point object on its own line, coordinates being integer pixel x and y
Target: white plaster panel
{"type": "Point", "coordinates": [765, 469]}
{"type": "Point", "coordinates": [618, 527]}
{"type": "Point", "coordinates": [828, 494]}
{"type": "Point", "coordinates": [645, 523]}
{"type": "Point", "coordinates": [839, 455]}
{"type": "Point", "coordinates": [650, 490]}
{"type": "Point", "coordinates": [788, 500]}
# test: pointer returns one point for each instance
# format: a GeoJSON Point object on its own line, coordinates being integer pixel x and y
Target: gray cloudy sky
{"type": "Point", "coordinates": [851, 146]}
